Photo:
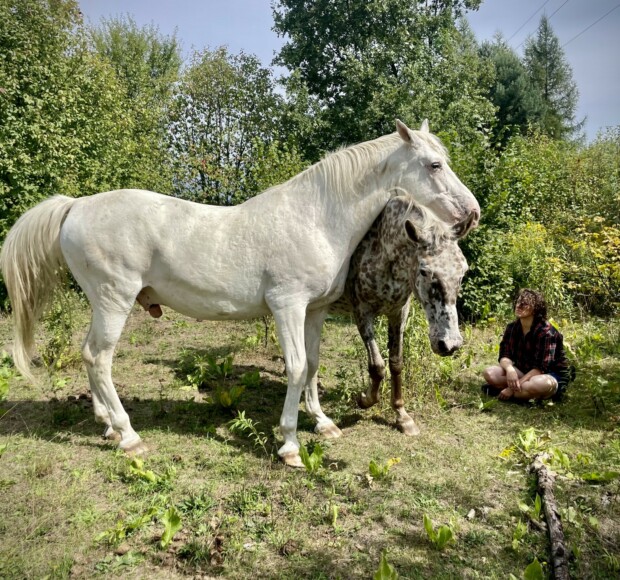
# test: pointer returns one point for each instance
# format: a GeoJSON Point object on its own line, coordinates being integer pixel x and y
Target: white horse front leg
{"type": "Point", "coordinates": [313, 326]}
{"type": "Point", "coordinates": [290, 327]}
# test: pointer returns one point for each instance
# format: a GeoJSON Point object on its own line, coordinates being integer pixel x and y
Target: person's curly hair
{"type": "Point", "coordinates": [534, 299]}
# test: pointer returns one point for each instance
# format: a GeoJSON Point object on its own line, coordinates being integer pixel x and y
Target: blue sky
{"type": "Point", "coordinates": [246, 25]}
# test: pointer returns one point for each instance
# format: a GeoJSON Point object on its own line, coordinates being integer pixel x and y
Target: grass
{"type": "Point", "coordinates": [73, 506]}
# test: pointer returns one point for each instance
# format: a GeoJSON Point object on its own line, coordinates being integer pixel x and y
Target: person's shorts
{"type": "Point", "coordinates": [562, 378]}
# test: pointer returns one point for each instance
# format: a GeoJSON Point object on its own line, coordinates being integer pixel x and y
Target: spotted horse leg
{"type": "Point", "coordinates": [396, 329]}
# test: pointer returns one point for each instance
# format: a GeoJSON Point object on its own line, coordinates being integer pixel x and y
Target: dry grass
{"type": "Point", "coordinates": [70, 499]}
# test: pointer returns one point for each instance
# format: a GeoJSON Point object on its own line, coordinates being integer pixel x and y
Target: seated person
{"type": "Point", "coordinates": [532, 364]}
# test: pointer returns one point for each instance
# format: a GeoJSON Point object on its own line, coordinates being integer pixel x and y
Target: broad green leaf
{"type": "Point", "coordinates": [386, 571]}
{"type": "Point", "coordinates": [444, 536]}
{"type": "Point", "coordinates": [537, 505]}
{"type": "Point", "coordinates": [172, 524]}
{"type": "Point", "coordinates": [428, 526]}
{"type": "Point", "coordinates": [534, 571]}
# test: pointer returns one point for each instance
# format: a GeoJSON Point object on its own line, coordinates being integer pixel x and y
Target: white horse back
{"type": "Point", "coordinates": [203, 261]}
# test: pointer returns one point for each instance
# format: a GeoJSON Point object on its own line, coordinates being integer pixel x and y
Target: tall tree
{"type": "Point", "coordinates": [224, 124]}
{"type": "Point", "coordinates": [62, 121]}
{"type": "Point", "coordinates": [369, 62]}
{"type": "Point", "coordinates": [147, 65]}
{"type": "Point", "coordinates": [519, 104]}
{"type": "Point", "coordinates": [551, 74]}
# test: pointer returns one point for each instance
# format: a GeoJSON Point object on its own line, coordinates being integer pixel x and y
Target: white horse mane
{"type": "Point", "coordinates": [342, 170]}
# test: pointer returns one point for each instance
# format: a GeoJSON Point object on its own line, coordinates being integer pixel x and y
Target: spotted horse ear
{"type": "Point", "coordinates": [412, 232]}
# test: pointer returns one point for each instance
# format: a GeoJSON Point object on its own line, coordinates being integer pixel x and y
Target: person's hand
{"type": "Point", "coordinates": [512, 379]}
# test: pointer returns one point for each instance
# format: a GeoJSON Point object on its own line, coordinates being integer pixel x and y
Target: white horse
{"type": "Point", "coordinates": [284, 252]}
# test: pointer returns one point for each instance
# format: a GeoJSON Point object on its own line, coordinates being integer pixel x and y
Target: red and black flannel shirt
{"type": "Point", "coordinates": [541, 348]}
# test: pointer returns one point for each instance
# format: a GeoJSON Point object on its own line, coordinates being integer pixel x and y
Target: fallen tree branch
{"type": "Point", "coordinates": [559, 555]}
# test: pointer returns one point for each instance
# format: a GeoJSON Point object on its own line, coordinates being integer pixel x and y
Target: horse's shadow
{"type": "Point", "coordinates": [195, 414]}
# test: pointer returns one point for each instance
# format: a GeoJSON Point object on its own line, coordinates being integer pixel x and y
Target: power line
{"type": "Point", "coordinates": [532, 16]}
{"type": "Point", "coordinates": [591, 25]}
{"type": "Point", "coordinates": [548, 17]}
{"type": "Point", "coordinates": [558, 10]}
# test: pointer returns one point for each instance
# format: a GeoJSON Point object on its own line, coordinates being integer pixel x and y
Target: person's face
{"type": "Point", "coordinates": [523, 309]}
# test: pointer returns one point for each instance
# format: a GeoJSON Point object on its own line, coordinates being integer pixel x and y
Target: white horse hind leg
{"type": "Point", "coordinates": [101, 412]}
{"type": "Point", "coordinates": [97, 352]}
{"type": "Point", "coordinates": [324, 425]}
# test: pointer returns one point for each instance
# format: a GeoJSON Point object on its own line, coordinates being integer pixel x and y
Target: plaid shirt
{"type": "Point", "coordinates": [541, 348]}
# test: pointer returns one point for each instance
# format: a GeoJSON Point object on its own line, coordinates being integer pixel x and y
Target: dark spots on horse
{"type": "Point", "coordinates": [437, 292]}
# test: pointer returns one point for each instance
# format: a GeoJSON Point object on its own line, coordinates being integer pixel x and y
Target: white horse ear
{"type": "Point", "coordinates": [404, 131]}
{"type": "Point", "coordinates": [424, 126]}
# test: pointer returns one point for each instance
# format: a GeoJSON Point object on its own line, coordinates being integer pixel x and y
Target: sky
{"type": "Point", "coordinates": [591, 48]}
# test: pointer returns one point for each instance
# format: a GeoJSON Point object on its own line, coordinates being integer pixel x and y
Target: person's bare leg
{"type": "Point", "coordinates": [538, 387]}
{"type": "Point", "coordinates": [495, 376]}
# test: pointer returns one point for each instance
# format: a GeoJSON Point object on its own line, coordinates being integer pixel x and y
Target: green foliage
{"type": "Point", "coordinates": [551, 222]}
{"type": "Point", "coordinates": [7, 372]}
{"type": "Point", "coordinates": [224, 135]}
{"type": "Point", "coordinates": [201, 369]}
{"type": "Point", "coordinates": [367, 63]}
{"type": "Point", "coordinates": [312, 460]}
{"type": "Point", "coordinates": [534, 511]}
{"type": "Point", "coordinates": [172, 524]}
{"type": "Point", "coordinates": [386, 571]}
{"type": "Point", "coordinates": [228, 397]}
{"type": "Point", "coordinates": [126, 527]}
{"type": "Point", "coordinates": [146, 481]}
{"type": "Point", "coordinates": [519, 533]}
{"type": "Point", "coordinates": [64, 119]}
{"type": "Point", "coordinates": [441, 537]}
{"type": "Point", "coordinates": [487, 405]}
{"type": "Point", "coordinates": [146, 65]}
{"type": "Point", "coordinates": [137, 468]}
{"type": "Point", "coordinates": [600, 477]}
{"type": "Point", "coordinates": [533, 571]}
{"type": "Point", "coordinates": [552, 76]}
{"type": "Point", "coordinates": [519, 103]}
{"type": "Point", "coordinates": [382, 471]}
{"type": "Point", "coordinates": [242, 424]}
{"type": "Point", "coordinates": [60, 324]}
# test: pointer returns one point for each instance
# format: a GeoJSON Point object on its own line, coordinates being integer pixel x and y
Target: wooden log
{"type": "Point", "coordinates": [559, 554]}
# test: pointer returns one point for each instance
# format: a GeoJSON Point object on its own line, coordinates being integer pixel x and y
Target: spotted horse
{"type": "Point", "coordinates": [406, 252]}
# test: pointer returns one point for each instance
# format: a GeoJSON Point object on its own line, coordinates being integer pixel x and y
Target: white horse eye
{"type": "Point", "coordinates": [436, 165]}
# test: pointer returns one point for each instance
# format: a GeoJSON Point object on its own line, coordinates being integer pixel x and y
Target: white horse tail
{"type": "Point", "coordinates": [32, 265]}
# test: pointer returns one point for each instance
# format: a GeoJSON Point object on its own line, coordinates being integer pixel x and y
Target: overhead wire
{"type": "Point", "coordinates": [591, 25]}
{"type": "Point", "coordinates": [548, 17]}
{"type": "Point", "coordinates": [558, 9]}
{"type": "Point", "coordinates": [532, 16]}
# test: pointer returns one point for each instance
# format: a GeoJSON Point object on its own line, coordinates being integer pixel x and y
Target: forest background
{"type": "Point", "coordinates": [87, 109]}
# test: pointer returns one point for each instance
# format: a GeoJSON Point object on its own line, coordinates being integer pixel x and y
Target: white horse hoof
{"type": "Point", "coordinates": [292, 459]}
{"type": "Point", "coordinates": [408, 427]}
{"type": "Point", "coordinates": [329, 431]}
{"type": "Point", "coordinates": [135, 449]}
